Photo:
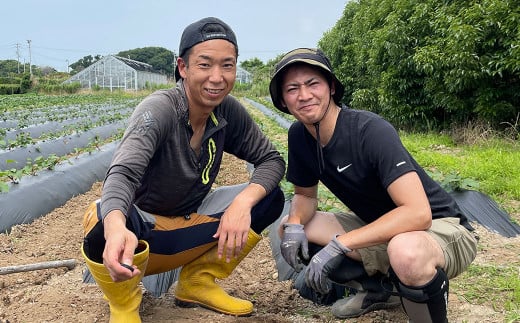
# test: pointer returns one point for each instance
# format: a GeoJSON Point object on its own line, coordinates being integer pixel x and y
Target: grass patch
{"type": "Point", "coordinates": [498, 286]}
{"type": "Point", "coordinates": [493, 164]}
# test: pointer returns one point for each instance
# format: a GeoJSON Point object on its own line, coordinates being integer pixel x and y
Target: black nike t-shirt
{"type": "Point", "coordinates": [364, 156]}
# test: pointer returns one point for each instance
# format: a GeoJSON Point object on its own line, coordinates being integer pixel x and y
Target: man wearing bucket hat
{"type": "Point", "coordinates": [404, 236]}
{"type": "Point", "coordinates": [157, 211]}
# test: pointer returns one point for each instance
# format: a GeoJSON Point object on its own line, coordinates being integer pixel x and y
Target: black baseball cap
{"type": "Point", "coordinates": [202, 30]}
{"type": "Point", "coordinates": [311, 56]}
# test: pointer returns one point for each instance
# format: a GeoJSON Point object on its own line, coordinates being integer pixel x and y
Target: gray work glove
{"type": "Point", "coordinates": [322, 264]}
{"type": "Point", "coordinates": [293, 241]}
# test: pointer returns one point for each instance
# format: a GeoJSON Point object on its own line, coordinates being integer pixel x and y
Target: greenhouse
{"type": "Point", "coordinates": [115, 72]}
{"type": "Point", "coordinates": [243, 76]}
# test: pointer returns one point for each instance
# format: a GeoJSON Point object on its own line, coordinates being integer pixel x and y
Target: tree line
{"type": "Point", "coordinates": [160, 58]}
{"type": "Point", "coordinates": [430, 63]}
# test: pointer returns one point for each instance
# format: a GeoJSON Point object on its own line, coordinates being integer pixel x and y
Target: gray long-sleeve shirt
{"type": "Point", "coordinates": [156, 168]}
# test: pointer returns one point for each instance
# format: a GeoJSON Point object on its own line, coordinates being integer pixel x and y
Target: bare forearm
{"type": "Point", "coordinates": [303, 209]}
{"type": "Point", "coordinates": [251, 195]}
{"type": "Point", "coordinates": [115, 220]}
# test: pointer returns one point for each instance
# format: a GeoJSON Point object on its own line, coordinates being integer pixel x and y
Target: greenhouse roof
{"type": "Point", "coordinates": [139, 66]}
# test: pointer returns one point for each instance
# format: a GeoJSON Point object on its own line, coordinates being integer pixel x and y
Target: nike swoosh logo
{"type": "Point", "coordinates": [340, 170]}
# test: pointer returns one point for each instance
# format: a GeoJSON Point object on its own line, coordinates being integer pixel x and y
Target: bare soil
{"type": "Point", "coordinates": [59, 295]}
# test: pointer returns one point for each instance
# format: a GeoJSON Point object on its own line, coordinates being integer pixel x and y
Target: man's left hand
{"type": "Point", "coordinates": [322, 264]}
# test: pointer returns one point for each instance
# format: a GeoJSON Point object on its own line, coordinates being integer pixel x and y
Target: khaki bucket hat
{"type": "Point", "coordinates": [311, 56]}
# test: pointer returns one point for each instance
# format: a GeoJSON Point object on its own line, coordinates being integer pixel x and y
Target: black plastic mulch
{"type": "Point", "coordinates": [480, 208]}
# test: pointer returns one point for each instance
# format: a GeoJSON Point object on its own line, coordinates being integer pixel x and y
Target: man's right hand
{"type": "Point", "coordinates": [293, 241]}
{"type": "Point", "coordinates": [119, 247]}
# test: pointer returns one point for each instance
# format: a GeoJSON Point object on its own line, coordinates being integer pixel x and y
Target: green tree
{"type": "Point", "coordinates": [439, 62]}
{"type": "Point", "coordinates": [83, 63]}
{"type": "Point", "coordinates": [261, 74]}
{"type": "Point", "coordinates": [160, 58]}
{"type": "Point", "coordinates": [25, 83]}
{"type": "Point", "coordinates": [251, 65]}
{"type": "Point", "coordinates": [472, 63]}
{"type": "Point", "coordinates": [10, 66]}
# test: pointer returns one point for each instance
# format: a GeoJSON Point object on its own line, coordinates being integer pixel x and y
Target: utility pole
{"type": "Point", "coordinates": [174, 67]}
{"type": "Point", "coordinates": [18, 56]}
{"type": "Point", "coordinates": [30, 64]}
{"type": "Point", "coordinates": [67, 65]}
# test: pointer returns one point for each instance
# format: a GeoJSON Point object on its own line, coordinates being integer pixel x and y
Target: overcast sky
{"type": "Point", "coordinates": [67, 30]}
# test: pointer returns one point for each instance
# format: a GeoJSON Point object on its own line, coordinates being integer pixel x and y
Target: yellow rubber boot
{"type": "Point", "coordinates": [197, 286]}
{"type": "Point", "coordinates": [124, 297]}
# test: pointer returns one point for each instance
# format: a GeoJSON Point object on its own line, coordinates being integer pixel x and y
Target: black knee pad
{"type": "Point", "coordinates": [427, 303]}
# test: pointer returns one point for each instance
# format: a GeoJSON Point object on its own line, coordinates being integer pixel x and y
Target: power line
{"type": "Point", "coordinates": [65, 49]}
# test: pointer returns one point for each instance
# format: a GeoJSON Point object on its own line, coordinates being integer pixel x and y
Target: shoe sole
{"type": "Point", "coordinates": [191, 304]}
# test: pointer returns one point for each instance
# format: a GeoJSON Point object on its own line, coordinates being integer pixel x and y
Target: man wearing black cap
{"type": "Point", "coordinates": [404, 226]}
{"type": "Point", "coordinates": [157, 211]}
